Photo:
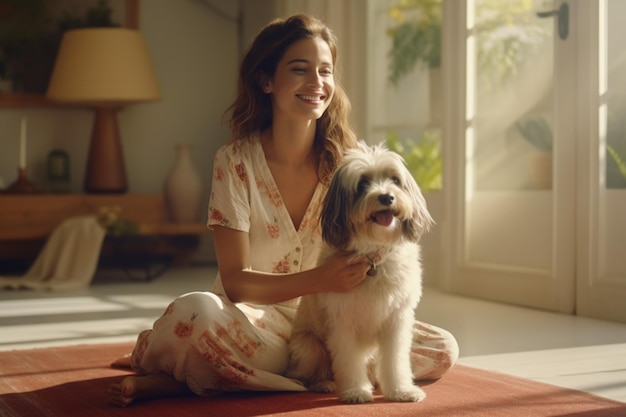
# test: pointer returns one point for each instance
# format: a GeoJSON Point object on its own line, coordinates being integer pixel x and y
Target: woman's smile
{"type": "Point", "coordinates": [317, 99]}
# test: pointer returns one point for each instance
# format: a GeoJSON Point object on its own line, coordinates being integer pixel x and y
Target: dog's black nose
{"type": "Point", "coordinates": [386, 199]}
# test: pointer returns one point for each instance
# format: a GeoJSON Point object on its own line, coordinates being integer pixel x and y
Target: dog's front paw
{"type": "Point", "coordinates": [413, 394]}
{"type": "Point", "coordinates": [356, 396]}
{"type": "Point", "coordinates": [323, 387]}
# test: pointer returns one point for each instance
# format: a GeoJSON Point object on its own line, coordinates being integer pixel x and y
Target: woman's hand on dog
{"type": "Point", "coordinates": [343, 271]}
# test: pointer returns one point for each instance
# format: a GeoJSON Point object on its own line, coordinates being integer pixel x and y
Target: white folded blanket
{"type": "Point", "coordinates": [68, 260]}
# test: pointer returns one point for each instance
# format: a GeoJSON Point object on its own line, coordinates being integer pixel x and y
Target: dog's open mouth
{"type": "Point", "coordinates": [383, 217]}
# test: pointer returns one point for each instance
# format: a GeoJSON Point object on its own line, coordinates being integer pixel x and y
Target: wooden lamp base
{"type": "Point", "coordinates": [105, 172]}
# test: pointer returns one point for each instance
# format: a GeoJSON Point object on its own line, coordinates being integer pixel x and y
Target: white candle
{"type": "Point", "coordinates": [23, 144]}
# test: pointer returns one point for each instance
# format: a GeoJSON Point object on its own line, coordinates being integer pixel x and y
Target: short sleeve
{"type": "Point", "coordinates": [229, 203]}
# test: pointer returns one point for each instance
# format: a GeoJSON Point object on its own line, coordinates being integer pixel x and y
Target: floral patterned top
{"type": "Point", "coordinates": [245, 197]}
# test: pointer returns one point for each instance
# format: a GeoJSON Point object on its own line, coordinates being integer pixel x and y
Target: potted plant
{"type": "Point", "coordinates": [536, 130]}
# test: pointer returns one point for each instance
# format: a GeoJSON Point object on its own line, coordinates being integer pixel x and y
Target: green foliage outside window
{"type": "Point", "coordinates": [615, 169]}
{"type": "Point", "coordinates": [507, 34]}
{"type": "Point", "coordinates": [416, 36]}
{"type": "Point", "coordinates": [423, 158]}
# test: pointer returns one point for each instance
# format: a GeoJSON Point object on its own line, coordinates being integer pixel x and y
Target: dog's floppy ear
{"type": "Point", "coordinates": [420, 221]}
{"type": "Point", "coordinates": [335, 214]}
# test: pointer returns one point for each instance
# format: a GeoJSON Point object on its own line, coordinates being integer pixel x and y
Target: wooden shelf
{"type": "Point", "coordinates": [24, 100]}
{"type": "Point", "coordinates": [26, 220]}
{"type": "Point", "coordinates": [173, 229]}
{"type": "Point", "coordinates": [30, 100]}
{"type": "Point", "coordinates": [35, 216]}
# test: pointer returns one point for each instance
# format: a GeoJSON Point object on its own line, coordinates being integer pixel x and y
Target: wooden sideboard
{"type": "Point", "coordinates": [26, 220]}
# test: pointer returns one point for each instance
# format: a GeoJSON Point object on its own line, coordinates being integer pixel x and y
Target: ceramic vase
{"type": "Point", "coordinates": [182, 188]}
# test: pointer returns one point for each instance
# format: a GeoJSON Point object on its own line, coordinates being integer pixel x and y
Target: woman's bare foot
{"type": "Point", "coordinates": [134, 388]}
{"type": "Point", "coordinates": [123, 362]}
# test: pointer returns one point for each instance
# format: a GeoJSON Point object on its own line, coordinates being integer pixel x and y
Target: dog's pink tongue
{"type": "Point", "coordinates": [383, 218]}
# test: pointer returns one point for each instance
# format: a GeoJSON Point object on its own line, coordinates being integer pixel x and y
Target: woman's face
{"type": "Point", "coordinates": [304, 84]}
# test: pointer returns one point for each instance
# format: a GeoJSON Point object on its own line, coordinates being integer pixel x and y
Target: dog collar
{"type": "Point", "coordinates": [374, 260]}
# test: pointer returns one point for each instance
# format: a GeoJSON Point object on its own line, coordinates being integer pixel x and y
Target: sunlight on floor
{"type": "Point", "coordinates": [44, 307]}
{"type": "Point", "coordinates": [73, 332]}
{"type": "Point", "coordinates": [599, 369]}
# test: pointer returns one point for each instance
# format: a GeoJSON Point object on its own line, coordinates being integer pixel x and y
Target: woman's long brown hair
{"type": "Point", "coordinates": [252, 110]}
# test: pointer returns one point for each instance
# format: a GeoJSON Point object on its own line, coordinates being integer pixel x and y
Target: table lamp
{"type": "Point", "coordinates": [103, 69]}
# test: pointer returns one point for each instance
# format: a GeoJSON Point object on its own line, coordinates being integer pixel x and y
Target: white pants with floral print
{"type": "Point", "coordinates": [214, 345]}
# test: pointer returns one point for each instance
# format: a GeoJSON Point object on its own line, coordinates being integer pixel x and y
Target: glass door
{"type": "Point", "coordinates": [601, 289]}
{"type": "Point", "coordinates": [509, 153]}
{"type": "Point", "coordinates": [535, 153]}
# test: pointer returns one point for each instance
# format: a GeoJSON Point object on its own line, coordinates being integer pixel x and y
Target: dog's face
{"type": "Point", "coordinates": [373, 199]}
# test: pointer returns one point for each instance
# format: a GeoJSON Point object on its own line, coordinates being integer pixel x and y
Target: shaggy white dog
{"type": "Point", "coordinates": [344, 342]}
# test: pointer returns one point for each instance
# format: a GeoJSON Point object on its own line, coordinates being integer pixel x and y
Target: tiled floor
{"type": "Point", "coordinates": [576, 352]}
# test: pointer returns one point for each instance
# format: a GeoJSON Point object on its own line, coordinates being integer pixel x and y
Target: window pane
{"type": "Point", "coordinates": [513, 63]}
{"type": "Point", "coordinates": [616, 96]}
{"type": "Point", "coordinates": [510, 103]}
{"type": "Point", "coordinates": [406, 111]}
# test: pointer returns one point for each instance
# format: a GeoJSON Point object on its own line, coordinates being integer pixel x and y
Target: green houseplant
{"type": "Point", "coordinates": [537, 131]}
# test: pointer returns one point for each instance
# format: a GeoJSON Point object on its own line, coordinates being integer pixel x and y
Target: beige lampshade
{"type": "Point", "coordinates": [103, 65]}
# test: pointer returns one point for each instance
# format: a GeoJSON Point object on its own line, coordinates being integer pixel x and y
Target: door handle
{"type": "Point", "coordinates": [562, 15]}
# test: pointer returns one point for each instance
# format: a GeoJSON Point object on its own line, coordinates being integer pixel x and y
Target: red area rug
{"type": "Point", "coordinates": [72, 381]}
